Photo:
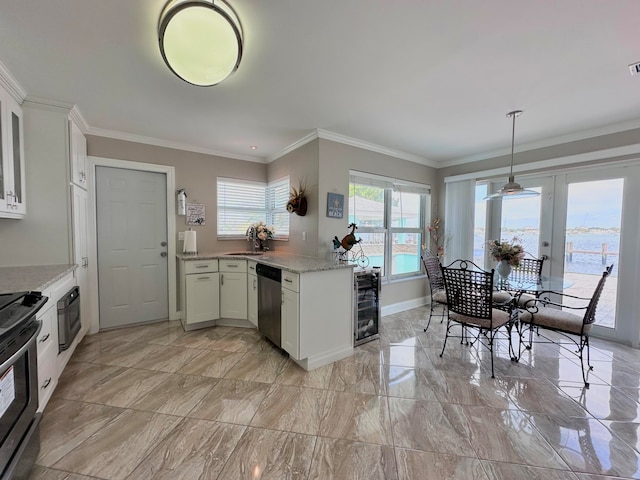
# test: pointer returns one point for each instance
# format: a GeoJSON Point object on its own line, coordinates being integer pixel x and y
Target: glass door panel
{"type": "Point", "coordinates": [592, 241]}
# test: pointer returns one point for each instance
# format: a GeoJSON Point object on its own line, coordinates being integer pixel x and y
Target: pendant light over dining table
{"type": "Point", "coordinates": [512, 189]}
{"type": "Point", "coordinates": [201, 41]}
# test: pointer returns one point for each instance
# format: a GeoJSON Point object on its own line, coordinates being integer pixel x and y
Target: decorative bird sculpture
{"type": "Point", "coordinates": [350, 240]}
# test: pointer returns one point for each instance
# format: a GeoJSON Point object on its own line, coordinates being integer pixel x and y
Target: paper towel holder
{"type": "Point", "coordinates": [182, 201]}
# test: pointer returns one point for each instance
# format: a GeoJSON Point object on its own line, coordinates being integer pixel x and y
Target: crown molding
{"type": "Point", "coordinates": [101, 132]}
{"type": "Point", "coordinates": [11, 85]}
{"type": "Point", "coordinates": [549, 142]}
{"type": "Point", "coordinates": [47, 104]}
{"type": "Point", "coordinates": [372, 147]}
{"type": "Point", "coordinates": [294, 146]}
{"type": "Point", "coordinates": [524, 168]}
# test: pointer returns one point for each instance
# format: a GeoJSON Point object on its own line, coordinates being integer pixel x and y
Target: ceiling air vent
{"type": "Point", "coordinates": [634, 68]}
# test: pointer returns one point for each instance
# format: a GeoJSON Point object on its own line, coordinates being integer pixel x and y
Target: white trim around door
{"type": "Point", "coordinates": [171, 230]}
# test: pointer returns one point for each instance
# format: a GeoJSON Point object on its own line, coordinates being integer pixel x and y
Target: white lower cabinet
{"type": "Point", "coordinates": [47, 345]}
{"type": "Point", "coordinates": [290, 314]}
{"type": "Point", "coordinates": [252, 299]}
{"type": "Point", "coordinates": [202, 298]}
{"type": "Point", "coordinates": [233, 289]}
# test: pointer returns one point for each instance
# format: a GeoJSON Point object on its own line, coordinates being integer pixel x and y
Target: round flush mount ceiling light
{"type": "Point", "coordinates": [200, 40]}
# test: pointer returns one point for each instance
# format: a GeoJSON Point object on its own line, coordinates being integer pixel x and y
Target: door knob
{"type": "Point", "coordinates": [163, 244]}
{"type": "Point", "coordinates": [163, 254]}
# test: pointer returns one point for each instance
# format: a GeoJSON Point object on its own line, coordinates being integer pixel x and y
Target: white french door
{"type": "Point", "coordinates": [583, 221]}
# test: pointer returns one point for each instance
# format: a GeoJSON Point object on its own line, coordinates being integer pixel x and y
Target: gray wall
{"type": "Point", "coordinates": [43, 237]}
{"type": "Point", "coordinates": [195, 172]}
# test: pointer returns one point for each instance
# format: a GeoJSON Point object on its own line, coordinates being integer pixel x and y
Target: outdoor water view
{"type": "Point", "coordinates": [592, 236]}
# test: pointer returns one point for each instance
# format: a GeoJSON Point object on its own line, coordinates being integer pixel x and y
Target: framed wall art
{"type": "Point", "coordinates": [335, 205]}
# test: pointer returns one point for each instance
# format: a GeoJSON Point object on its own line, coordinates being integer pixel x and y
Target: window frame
{"type": "Point", "coordinates": [389, 185]}
{"type": "Point", "coordinates": [268, 210]}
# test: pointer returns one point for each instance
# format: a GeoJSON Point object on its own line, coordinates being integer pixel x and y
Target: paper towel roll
{"type": "Point", "coordinates": [189, 242]}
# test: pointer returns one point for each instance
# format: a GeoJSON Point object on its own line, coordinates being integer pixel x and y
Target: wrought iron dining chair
{"type": "Point", "coordinates": [470, 304]}
{"type": "Point", "coordinates": [436, 287]}
{"type": "Point", "coordinates": [528, 271]}
{"type": "Point", "coordinates": [547, 313]}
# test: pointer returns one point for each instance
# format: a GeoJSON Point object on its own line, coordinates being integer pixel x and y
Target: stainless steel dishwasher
{"type": "Point", "coordinates": [269, 302]}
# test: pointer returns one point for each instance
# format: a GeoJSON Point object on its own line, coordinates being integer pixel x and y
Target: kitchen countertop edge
{"type": "Point", "coordinates": [285, 261]}
{"type": "Point", "coordinates": [32, 278]}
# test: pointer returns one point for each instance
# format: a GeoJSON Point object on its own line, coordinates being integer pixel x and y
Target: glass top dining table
{"type": "Point", "coordinates": [545, 283]}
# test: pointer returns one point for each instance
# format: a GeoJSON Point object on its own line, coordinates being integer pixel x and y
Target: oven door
{"type": "Point", "coordinates": [18, 391]}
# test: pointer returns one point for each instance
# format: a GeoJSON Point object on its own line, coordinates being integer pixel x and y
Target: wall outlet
{"type": "Point", "coordinates": [304, 236]}
{"type": "Point", "coordinates": [180, 235]}
{"type": "Point", "coordinates": [634, 68]}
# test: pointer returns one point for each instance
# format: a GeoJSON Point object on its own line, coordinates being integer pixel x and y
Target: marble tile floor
{"type": "Point", "coordinates": [154, 402]}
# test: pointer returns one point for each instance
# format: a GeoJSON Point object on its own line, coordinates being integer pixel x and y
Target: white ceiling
{"type": "Point", "coordinates": [430, 78]}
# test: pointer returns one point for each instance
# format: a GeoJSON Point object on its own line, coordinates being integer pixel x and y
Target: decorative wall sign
{"type": "Point", "coordinates": [335, 205]}
{"type": "Point", "coordinates": [195, 214]}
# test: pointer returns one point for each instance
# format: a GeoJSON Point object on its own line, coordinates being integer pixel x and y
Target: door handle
{"type": "Point", "coordinates": [221, 279]}
{"type": "Point", "coordinates": [163, 244]}
{"type": "Point", "coordinates": [163, 254]}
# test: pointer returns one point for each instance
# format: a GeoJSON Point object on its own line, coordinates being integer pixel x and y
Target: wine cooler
{"type": "Point", "coordinates": [366, 303]}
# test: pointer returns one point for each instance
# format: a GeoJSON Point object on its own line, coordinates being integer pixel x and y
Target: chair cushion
{"type": "Point", "coordinates": [499, 318]}
{"type": "Point", "coordinates": [440, 296]}
{"type": "Point", "coordinates": [501, 297]}
{"type": "Point", "coordinates": [524, 298]}
{"type": "Point", "coordinates": [558, 320]}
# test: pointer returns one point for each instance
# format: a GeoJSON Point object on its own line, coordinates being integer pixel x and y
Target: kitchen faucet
{"type": "Point", "coordinates": [252, 236]}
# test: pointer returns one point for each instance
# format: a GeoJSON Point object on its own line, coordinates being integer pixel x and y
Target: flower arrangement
{"type": "Point", "coordinates": [437, 238]}
{"type": "Point", "coordinates": [511, 252]}
{"type": "Point", "coordinates": [264, 231]}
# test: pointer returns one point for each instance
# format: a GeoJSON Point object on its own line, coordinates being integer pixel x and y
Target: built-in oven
{"type": "Point", "coordinates": [19, 423]}
{"type": "Point", "coordinates": [68, 318]}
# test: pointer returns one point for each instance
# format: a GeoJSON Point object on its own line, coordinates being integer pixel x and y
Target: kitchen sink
{"type": "Point", "coordinates": [250, 254]}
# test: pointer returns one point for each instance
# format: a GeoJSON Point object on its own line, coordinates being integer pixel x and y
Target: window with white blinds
{"type": "Point", "coordinates": [242, 203]}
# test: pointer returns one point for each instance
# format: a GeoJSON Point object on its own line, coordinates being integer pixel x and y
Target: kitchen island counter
{"type": "Point", "coordinates": [285, 261]}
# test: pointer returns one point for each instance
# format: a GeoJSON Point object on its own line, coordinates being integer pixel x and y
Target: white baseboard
{"type": "Point", "coordinates": [326, 358]}
{"type": "Point", "coordinates": [402, 306]}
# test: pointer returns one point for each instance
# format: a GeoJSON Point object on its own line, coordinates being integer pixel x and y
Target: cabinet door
{"type": "Point", "coordinates": [203, 297]}
{"type": "Point", "coordinates": [12, 181]}
{"type": "Point", "coordinates": [79, 208]}
{"type": "Point", "coordinates": [233, 295]}
{"type": "Point", "coordinates": [291, 322]}
{"type": "Point", "coordinates": [78, 155]}
{"type": "Point", "coordinates": [252, 299]}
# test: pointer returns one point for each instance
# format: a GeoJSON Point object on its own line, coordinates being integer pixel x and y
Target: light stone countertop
{"type": "Point", "coordinates": [37, 277]}
{"type": "Point", "coordinates": [285, 261]}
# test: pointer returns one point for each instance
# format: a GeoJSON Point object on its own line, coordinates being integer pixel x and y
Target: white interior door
{"type": "Point", "coordinates": [131, 215]}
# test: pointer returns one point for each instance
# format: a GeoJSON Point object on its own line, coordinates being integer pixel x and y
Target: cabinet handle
{"type": "Point", "coordinates": [45, 338]}
{"type": "Point", "coordinates": [202, 266]}
{"type": "Point", "coordinates": [288, 280]}
{"type": "Point", "coordinates": [204, 278]}
{"type": "Point", "coordinates": [282, 294]}
{"type": "Point", "coordinates": [46, 383]}
{"type": "Point", "coordinates": [221, 279]}
{"type": "Point", "coordinates": [232, 265]}
{"type": "Point", "coordinates": [254, 284]}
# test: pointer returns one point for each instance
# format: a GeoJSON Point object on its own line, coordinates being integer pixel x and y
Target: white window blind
{"type": "Point", "coordinates": [242, 203]}
{"type": "Point", "coordinates": [277, 215]}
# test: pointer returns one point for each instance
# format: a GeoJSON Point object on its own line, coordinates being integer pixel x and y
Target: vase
{"type": "Point", "coordinates": [263, 245]}
{"type": "Point", "coordinates": [504, 269]}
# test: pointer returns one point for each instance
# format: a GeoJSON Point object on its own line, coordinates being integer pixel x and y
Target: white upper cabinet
{"type": "Point", "coordinates": [12, 181]}
{"type": "Point", "coordinates": [77, 155]}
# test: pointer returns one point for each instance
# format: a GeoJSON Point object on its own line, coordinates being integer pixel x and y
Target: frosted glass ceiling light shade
{"type": "Point", "coordinates": [512, 189]}
{"type": "Point", "coordinates": [200, 40]}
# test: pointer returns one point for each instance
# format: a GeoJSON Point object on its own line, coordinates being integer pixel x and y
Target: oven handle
{"type": "Point", "coordinates": [22, 350]}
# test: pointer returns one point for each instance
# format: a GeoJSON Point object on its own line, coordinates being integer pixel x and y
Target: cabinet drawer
{"type": "Point", "coordinates": [291, 281]}
{"type": "Point", "coordinates": [239, 266]}
{"type": "Point", "coordinates": [49, 331]}
{"type": "Point", "coordinates": [251, 267]}
{"type": "Point", "coordinates": [61, 287]}
{"type": "Point", "coordinates": [201, 266]}
{"type": "Point", "coordinates": [47, 374]}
